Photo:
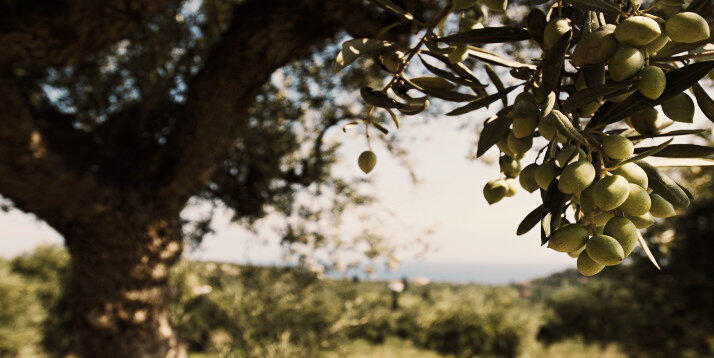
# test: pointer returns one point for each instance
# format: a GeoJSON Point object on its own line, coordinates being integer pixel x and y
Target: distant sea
{"type": "Point", "coordinates": [484, 273]}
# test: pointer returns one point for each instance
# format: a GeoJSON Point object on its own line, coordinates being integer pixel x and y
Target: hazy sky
{"type": "Point", "coordinates": [448, 198]}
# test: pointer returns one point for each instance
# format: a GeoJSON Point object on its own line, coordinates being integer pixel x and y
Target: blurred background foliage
{"type": "Point", "coordinates": [246, 311]}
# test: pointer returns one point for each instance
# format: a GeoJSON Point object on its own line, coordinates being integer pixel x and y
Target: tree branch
{"type": "Point", "coordinates": [59, 33]}
{"type": "Point", "coordinates": [33, 176]}
{"type": "Point", "coordinates": [263, 37]}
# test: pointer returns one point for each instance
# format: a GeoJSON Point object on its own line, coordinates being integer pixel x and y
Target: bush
{"type": "Point", "coordinates": [20, 316]}
{"type": "Point", "coordinates": [476, 321]}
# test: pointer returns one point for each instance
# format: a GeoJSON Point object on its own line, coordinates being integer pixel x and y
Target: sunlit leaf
{"type": "Point", "coordinates": [664, 186]}
{"type": "Point", "coordinates": [646, 249]}
{"type": "Point", "coordinates": [566, 128]}
{"type": "Point", "coordinates": [496, 59]}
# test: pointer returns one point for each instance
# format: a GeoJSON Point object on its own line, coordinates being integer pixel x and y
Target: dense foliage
{"type": "Point", "coordinates": [600, 69]}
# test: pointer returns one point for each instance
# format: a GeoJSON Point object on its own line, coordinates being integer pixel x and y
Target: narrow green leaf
{"type": "Point", "coordinates": [594, 93]}
{"type": "Point", "coordinates": [549, 105]}
{"type": "Point", "coordinates": [381, 128]}
{"type": "Point", "coordinates": [677, 81]}
{"type": "Point", "coordinates": [496, 82]}
{"type": "Point", "coordinates": [595, 5]}
{"type": "Point", "coordinates": [553, 63]}
{"type": "Point", "coordinates": [377, 98]}
{"type": "Point", "coordinates": [530, 221]}
{"type": "Point", "coordinates": [566, 128]}
{"type": "Point", "coordinates": [706, 104]}
{"type": "Point", "coordinates": [394, 8]}
{"type": "Point", "coordinates": [681, 162]}
{"type": "Point", "coordinates": [553, 207]}
{"type": "Point", "coordinates": [395, 119]}
{"type": "Point", "coordinates": [459, 68]}
{"type": "Point", "coordinates": [431, 82]}
{"type": "Point", "coordinates": [480, 103]}
{"type": "Point", "coordinates": [665, 186]}
{"type": "Point", "coordinates": [668, 134]}
{"type": "Point", "coordinates": [646, 249]}
{"type": "Point", "coordinates": [645, 152]}
{"type": "Point", "coordinates": [354, 48]}
{"type": "Point", "coordinates": [445, 74]}
{"type": "Point", "coordinates": [446, 94]}
{"type": "Point", "coordinates": [496, 59]}
{"type": "Point", "coordinates": [493, 130]}
{"type": "Point", "coordinates": [487, 35]}
{"type": "Point", "coordinates": [681, 151]}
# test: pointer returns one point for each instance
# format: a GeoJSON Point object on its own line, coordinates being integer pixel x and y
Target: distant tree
{"type": "Point", "coordinates": [115, 114]}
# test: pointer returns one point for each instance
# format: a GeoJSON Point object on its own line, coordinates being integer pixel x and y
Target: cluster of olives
{"type": "Point", "coordinates": [608, 193]}
{"type": "Point", "coordinates": [609, 204]}
{"type": "Point", "coordinates": [626, 47]}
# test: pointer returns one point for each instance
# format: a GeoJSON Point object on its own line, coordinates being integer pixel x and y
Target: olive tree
{"type": "Point", "coordinates": [115, 114]}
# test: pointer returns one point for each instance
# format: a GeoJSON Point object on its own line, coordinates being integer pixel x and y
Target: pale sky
{"type": "Point", "coordinates": [449, 198]}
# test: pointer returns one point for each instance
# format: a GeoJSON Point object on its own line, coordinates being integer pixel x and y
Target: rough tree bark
{"type": "Point", "coordinates": [123, 240]}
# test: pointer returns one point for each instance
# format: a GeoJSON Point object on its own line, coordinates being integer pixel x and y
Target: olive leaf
{"type": "Point", "coordinates": [381, 128]}
{"type": "Point", "coordinates": [354, 48]}
{"type": "Point", "coordinates": [664, 186]}
{"type": "Point", "coordinates": [530, 221]}
{"type": "Point", "coordinates": [549, 105]}
{"type": "Point", "coordinates": [646, 249]}
{"type": "Point", "coordinates": [668, 134]}
{"type": "Point", "coordinates": [678, 80]}
{"type": "Point", "coordinates": [494, 129]}
{"type": "Point", "coordinates": [645, 152]}
{"type": "Point", "coordinates": [431, 82]}
{"type": "Point", "coordinates": [459, 68]}
{"type": "Point", "coordinates": [413, 108]}
{"type": "Point", "coordinates": [681, 151]}
{"type": "Point", "coordinates": [482, 102]}
{"type": "Point", "coordinates": [566, 128]}
{"type": "Point", "coordinates": [595, 5]}
{"type": "Point", "coordinates": [349, 125]}
{"type": "Point", "coordinates": [535, 24]}
{"type": "Point", "coordinates": [496, 82]}
{"type": "Point", "coordinates": [445, 74]}
{"type": "Point", "coordinates": [682, 162]}
{"type": "Point", "coordinates": [594, 93]}
{"type": "Point", "coordinates": [706, 104]}
{"type": "Point", "coordinates": [553, 207]}
{"type": "Point", "coordinates": [495, 59]}
{"type": "Point", "coordinates": [441, 88]}
{"type": "Point", "coordinates": [394, 8]}
{"type": "Point", "coordinates": [487, 35]}
{"type": "Point", "coordinates": [377, 98]}
{"type": "Point", "coordinates": [553, 63]}
{"type": "Point", "coordinates": [395, 119]}
{"type": "Point", "coordinates": [522, 73]}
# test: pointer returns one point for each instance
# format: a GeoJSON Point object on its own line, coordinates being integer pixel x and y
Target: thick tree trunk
{"type": "Point", "coordinates": [120, 295]}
